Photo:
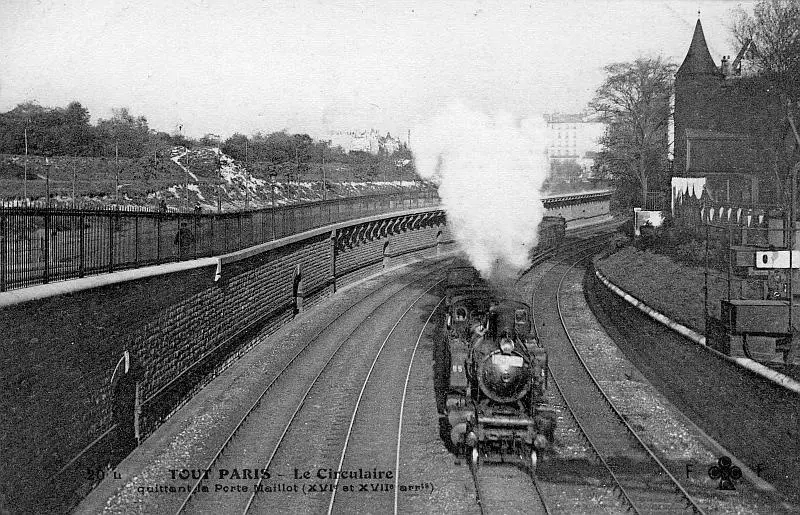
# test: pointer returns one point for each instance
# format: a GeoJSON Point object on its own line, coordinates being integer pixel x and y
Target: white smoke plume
{"type": "Point", "coordinates": [490, 170]}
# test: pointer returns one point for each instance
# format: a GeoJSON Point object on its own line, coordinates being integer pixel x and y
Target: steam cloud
{"type": "Point", "coordinates": [490, 171]}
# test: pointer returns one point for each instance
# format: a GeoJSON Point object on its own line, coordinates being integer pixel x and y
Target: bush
{"type": "Point", "coordinates": [693, 252]}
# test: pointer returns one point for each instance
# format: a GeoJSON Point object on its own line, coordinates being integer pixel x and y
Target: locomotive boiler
{"type": "Point", "coordinates": [496, 374]}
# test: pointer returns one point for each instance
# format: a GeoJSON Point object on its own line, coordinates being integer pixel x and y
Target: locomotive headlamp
{"type": "Point", "coordinates": [506, 345]}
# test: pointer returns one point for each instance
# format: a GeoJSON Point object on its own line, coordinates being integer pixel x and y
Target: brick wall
{"type": "Point", "coordinates": [179, 329]}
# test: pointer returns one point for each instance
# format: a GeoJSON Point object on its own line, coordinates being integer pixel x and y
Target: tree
{"type": "Point", "coordinates": [772, 36]}
{"type": "Point", "coordinates": [131, 134]}
{"type": "Point", "coordinates": [634, 102]}
{"type": "Point", "coordinates": [236, 146]}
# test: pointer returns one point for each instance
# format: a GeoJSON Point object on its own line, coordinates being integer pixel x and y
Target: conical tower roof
{"type": "Point", "coordinates": [698, 60]}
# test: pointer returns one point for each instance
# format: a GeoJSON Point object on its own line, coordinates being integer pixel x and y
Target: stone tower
{"type": "Point", "coordinates": [697, 84]}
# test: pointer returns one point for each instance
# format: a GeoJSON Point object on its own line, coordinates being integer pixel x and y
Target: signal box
{"type": "Point", "coordinates": [758, 317]}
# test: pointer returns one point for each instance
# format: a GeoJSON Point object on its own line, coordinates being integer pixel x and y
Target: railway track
{"type": "Point", "coordinates": [494, 482]}
{"type": "Point", "coordinates": [512, 487]}
{"type": "Point", "coordinates": [267, 434]}
{"type": "Point", "coordinates": [368, 439]}
{"type": "Point", "coordinates": [366, 479]}
{"type": "Point", "coordinates": [643, 483]}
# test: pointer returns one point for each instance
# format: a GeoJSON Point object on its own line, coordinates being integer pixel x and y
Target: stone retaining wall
{"type": "Point", "coordinates": [89, 373]}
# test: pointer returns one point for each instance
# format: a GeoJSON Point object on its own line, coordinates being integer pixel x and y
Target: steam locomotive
{"type": "Point", "coordinates": [494, 374]}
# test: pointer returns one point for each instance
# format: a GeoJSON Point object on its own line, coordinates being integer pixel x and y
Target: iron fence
{"type": "Point", "coordinates": [44, 244]}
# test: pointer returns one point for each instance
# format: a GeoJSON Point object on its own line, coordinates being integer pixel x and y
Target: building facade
{"type": "Point", "coordinates": [574, 137]}
{"type": "Point", "coordinates": [365, 141]}
{"type": "Point", "coordinates": [729, 127]}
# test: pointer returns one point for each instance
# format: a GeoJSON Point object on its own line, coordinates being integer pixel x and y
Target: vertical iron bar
{"type": "Point", "coordinates": [136, 240]}
{"type": "Point", "coordinates": [82, 242]}
{"type": "Point", "coordinates": [705, 280]}
{"type": "Point", "coordinates": [47, 244]}
{"type": "Point", "coordinates": [730, 258]}
{"type": "Point", "coordinates": [158, 237]}
{"type": "Point", "coordinates": [791, 245]}
{"type": "Point", "coordinates": [3, 249]}
{"type": "Point", "coordinates": [111, 242]}
{"type": "Point", "coordinates": [213, 220]}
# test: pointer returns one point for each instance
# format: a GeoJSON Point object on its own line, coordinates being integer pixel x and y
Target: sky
{"type": "Point", "coordinates": [213, 66]}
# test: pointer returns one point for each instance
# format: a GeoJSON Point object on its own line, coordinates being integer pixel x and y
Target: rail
{"type": "Point", "coordinates": [680, 491]}
{"type": "Point", "coordinates": [39, 245]}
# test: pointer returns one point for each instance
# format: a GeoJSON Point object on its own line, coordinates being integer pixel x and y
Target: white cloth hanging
{"type": "Point", "coordinates": [682, 186]}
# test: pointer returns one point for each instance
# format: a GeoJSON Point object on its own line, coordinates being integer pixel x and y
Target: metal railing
{"type": "Point", "coordinates": [44, 244]}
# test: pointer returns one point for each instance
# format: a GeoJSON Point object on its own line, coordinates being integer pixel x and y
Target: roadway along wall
{"type": "Point", "coordinates": [92, 367]}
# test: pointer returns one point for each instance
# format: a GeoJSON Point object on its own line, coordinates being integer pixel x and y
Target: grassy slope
{"type": "Point", "coordinates": [672, 288]}
{"type": "Point", "coordinates": [143, 181]}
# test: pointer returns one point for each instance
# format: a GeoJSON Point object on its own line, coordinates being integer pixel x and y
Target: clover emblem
{"type": "Point", "coordinates": [726, 472]}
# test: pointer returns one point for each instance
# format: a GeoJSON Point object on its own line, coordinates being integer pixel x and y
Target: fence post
{"type": "Point", "coordinates": [46, 245]}
{"type": "Point", "coordinates": [239, 222]}
{"type": "Point", "coordinates": [136, 240]}
{"type": "Point", "coordinates": [3, 249]}
{"type": "Point", "coordinates": [82, 243]}
{"type": "Point", "coordinates": [333, 259]}
{"type": "Point", "coordinates": [111, 242]}
{"type": "Point", "coordinates": [158, 238]}
{"type": "Point", "coordinates": [213, 219]}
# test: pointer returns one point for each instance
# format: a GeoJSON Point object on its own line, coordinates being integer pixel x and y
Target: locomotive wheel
{"type": "Point", "coordinates": [534, 461]}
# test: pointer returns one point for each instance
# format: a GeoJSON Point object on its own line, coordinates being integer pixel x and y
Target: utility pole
{"type": "Point", "coordinates": [47, 165]}
{"type": "Point", "coordinates": [219, 180]}
{"type": "Point", "coordinates": [187, 180]}
{"type": "Point", "coordinates": [25, 178]}
{"type": "Point", "coordinates": [297, 172]}
{"type": "Point", "coordinates": [116, 175]}
{"type": "Point", "coordinates": [247, 178]}
{"type": "Point", "coordinates": [272, 180]}
{"type": "Point", "coordinates": [324, 182]}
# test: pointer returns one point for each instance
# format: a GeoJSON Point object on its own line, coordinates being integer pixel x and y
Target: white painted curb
{"type": "Point", "coordinates": [753, 366]}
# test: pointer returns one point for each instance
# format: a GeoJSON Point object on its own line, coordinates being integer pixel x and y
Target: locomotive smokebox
{"type": "Point", "coordinates": [505, 377]}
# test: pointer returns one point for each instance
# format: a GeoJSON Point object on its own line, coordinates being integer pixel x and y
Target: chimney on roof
{"type": "Point", "coordinates": [726, 65]}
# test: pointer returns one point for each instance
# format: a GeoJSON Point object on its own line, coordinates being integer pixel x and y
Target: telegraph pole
{"type": "Point", "coordinates": [116, 175]}
{"type": "Point", "coordinates": [47, 165]}
{"type": "Point", "coordinates": [187, 180]}
{"type": "Point", "coordinates": [25, 178]}
{"type": "Point", "coordinates": [324, 182]}
{"type": "Point", "coordinates": [247, 178]}
{"type": "Point", "coordinates": [219, 180]}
